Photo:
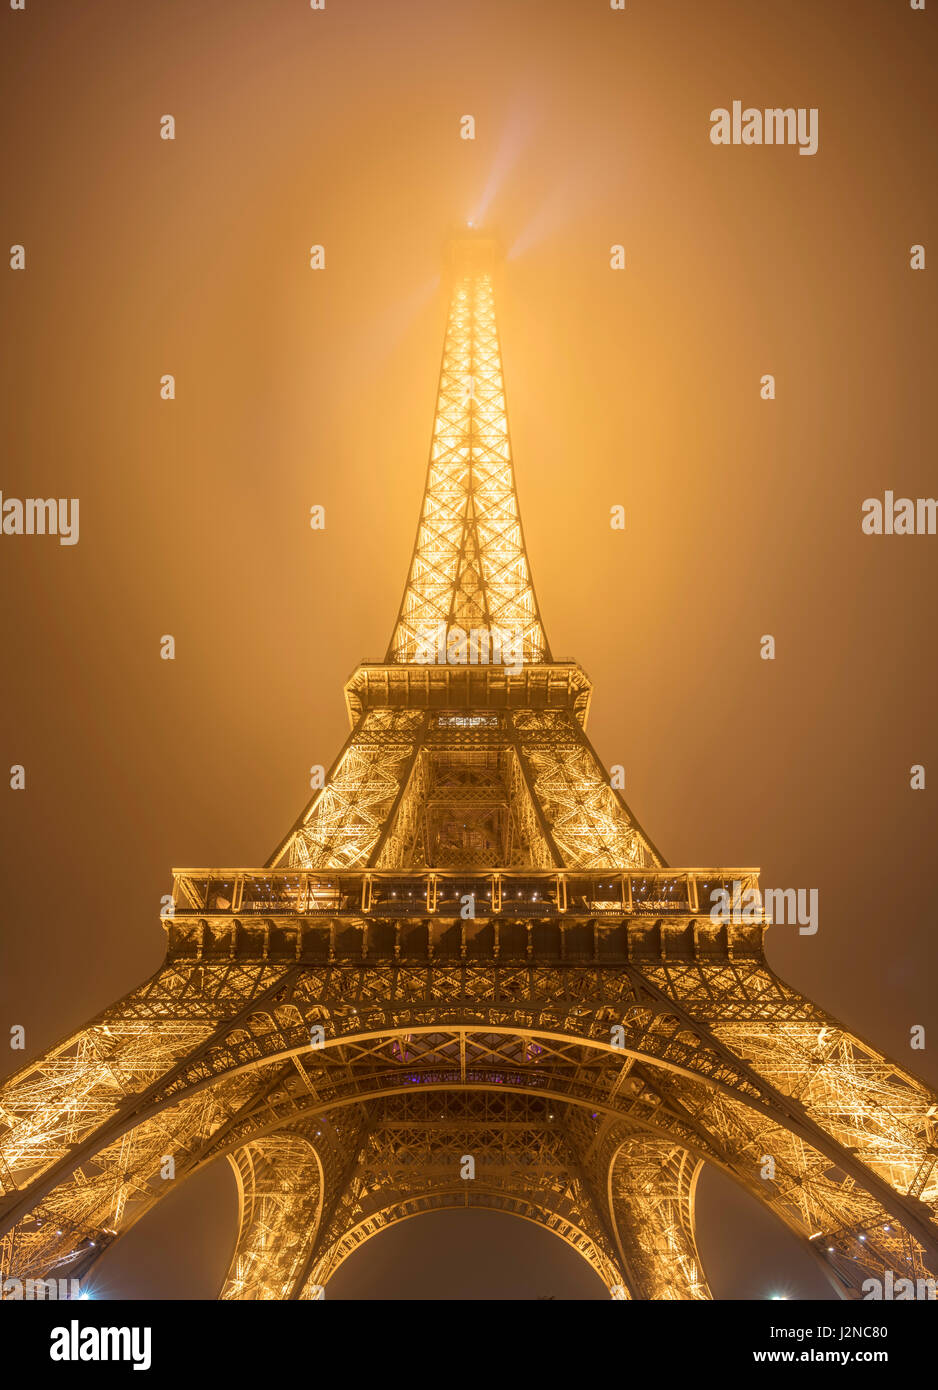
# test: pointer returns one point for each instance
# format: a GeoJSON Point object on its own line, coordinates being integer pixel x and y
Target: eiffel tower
{"type": "Point", "coordinates": [468, 978]}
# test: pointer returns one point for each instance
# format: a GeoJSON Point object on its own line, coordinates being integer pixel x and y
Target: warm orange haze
{"type": "Point", "coordinates": [497, 932]}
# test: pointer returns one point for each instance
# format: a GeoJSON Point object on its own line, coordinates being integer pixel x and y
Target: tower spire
{"type": "Point", "coordinates": [469, 571]}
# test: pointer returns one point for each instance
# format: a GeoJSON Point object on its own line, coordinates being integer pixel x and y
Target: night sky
{"type": "Point", "coordinates": [294, 388]}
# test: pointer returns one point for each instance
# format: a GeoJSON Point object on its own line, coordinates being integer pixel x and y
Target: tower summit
{"type": "Point", "coordinates": [467, 945]}
{"type": "Point", "coordinates": [469, 572]}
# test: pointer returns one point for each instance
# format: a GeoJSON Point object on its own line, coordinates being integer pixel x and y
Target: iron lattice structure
{"type": "Point", "coordinates": [468, 946]}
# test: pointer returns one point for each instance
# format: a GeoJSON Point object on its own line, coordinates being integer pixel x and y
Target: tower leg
{"type": "Point", "coordinates": [280, 1192]}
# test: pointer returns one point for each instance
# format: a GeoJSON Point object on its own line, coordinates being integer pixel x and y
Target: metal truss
{"type": "Point", "coordinates": [589, 825]}
{"type": "Point", "coordinates": [412, 1162]}
{"type": "Point", "coordinates": [343, 824]}
{"type": "Point", "coordinates": [651, 1193]}
{"type": "Point", "coordinates": [280, 1201]}
{"type": "Point", "coordinates": [468, 946]}
{"type": "Point", "coordinates": [469, 568]}
{"type": "Point", "coordinates": [496, 1031]}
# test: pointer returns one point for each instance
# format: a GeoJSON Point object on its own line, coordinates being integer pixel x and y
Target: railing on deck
{"type": "Point", "coordinates": [247, 893]}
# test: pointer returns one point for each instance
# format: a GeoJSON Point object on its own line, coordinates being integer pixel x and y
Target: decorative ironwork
{"type": "Point", "coordinates": [467, 945]}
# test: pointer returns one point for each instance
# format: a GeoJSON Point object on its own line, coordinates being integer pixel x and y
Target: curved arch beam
{"type": "Point", "coordinates": [578, 1070]}
{"type": "Point", "coordinates": [482, 1200]}
{"type": "Point", "coordinates": [674, 1049]}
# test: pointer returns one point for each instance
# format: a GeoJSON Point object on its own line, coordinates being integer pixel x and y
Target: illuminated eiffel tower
{"type": "Point", "coordinates": [468, 955]}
